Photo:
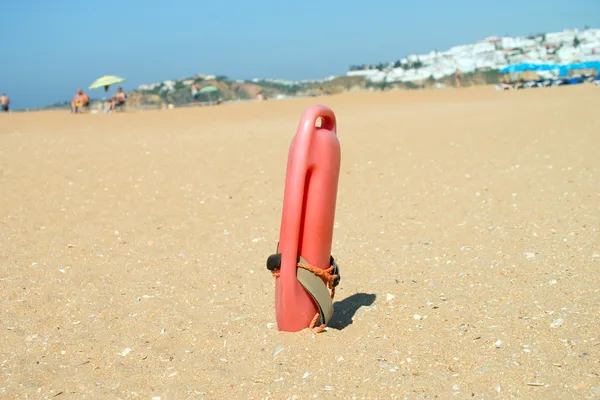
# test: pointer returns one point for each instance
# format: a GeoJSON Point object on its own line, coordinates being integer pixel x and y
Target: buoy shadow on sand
{"type": "Point", "coordinates": [344, 310]}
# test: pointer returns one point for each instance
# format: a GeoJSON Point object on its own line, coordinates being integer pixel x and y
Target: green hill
{"type": "Point", "coordinates": [178, 92]}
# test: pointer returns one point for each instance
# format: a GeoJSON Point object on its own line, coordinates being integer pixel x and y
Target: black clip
{"type": "Point", "coordinates": [336, 271]}
{"type": "Point", "coordinates": [274, 262]}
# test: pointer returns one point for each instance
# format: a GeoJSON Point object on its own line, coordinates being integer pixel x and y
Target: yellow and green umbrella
{"type": "Point", "coordinates": [106, 81]}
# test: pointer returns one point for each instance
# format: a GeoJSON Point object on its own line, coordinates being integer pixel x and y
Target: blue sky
{"type": "Point", "coordinates": [50, 48]}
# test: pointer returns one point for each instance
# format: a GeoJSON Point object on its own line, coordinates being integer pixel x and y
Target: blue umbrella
{"type": "Point", "coordinates": [547, 67]}
{"type": "Point", "coordinates": [576, 66]}
{"type": "Point", "coordinates": [563, 71]}
{"type": "Point", "coordinates": [591, 65]}
{"type": "Point", "coordinates": [508, 69]}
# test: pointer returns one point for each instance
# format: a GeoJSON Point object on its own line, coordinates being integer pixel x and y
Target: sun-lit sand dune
{"type": "Point", "coordinates": [133, 249]}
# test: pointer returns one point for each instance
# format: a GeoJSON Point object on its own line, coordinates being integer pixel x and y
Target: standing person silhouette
{"type": "Point", "coordinates": [4, 102]}
{"type": "Point", "coordinates": [458, 77]}
{"type": "Point", "coordinates": [195, 92]}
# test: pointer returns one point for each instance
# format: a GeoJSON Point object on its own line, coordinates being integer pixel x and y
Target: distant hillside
{"type": "Point", "coordinates": [476, 78]}
{"type": "Point", "coordinates": [178, 93]}
{"type": "Point", "coordinates": [478, 62]}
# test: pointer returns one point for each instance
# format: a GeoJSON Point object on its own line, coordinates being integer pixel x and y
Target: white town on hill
{"type": "Point", "coordinates": [492, 53]}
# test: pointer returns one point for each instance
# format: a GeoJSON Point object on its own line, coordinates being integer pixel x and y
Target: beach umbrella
{"type": "Point", "coordinates": [584, 65]}
{"type": "Point", "coordinates": [563, 71]}
{"type": "Point", "coordinates": [208, 90]}
{"type": "Point", "coordinates": [536, 66]}
{"type": "Point", "coordinates": [548, 67]}
{"type": "Point", "coordinates": [577, 65]}
{"type": "Point", "coordinates": [510, 68]}
{"type": "Point", "coordinates": [529, 67]}
{"type": "Point", "coordinates": [106, 81]}
{"type": "Point", "coordinates": [519, 68]}
{"type": "Point", "coordinates": [588, 65]}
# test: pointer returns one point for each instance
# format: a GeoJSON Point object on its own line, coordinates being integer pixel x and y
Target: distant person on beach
{"type": "Point", "coordinates": [80, 100]}
{"type": "Point", "coordinates": [458, 77]}
{"type": "Point", "coordinates": [195, 92]}
{"type": "Point", "coordinates": [5, 102]}
{"type": "Point", "coordinates": [118, 99]}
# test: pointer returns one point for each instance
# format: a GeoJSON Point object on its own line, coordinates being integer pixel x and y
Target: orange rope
{"type": "Point", "coordinates": [323, 274]}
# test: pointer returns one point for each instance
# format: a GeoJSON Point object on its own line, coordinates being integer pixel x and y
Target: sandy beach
{"type": "Point", "coordinates": [133, 250]}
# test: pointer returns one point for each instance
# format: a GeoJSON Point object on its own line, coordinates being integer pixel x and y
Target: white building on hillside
{"type": "Point", "coordinates": [566, 36]}
{"type": "Point", "coordinates": [569, 54]}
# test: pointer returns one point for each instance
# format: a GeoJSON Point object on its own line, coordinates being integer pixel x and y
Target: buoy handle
{"type": "Point", "coordinates": [308, 121]}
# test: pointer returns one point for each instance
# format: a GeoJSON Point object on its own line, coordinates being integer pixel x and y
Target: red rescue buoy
{"type": "Point", "coordinates": [303, 265]}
